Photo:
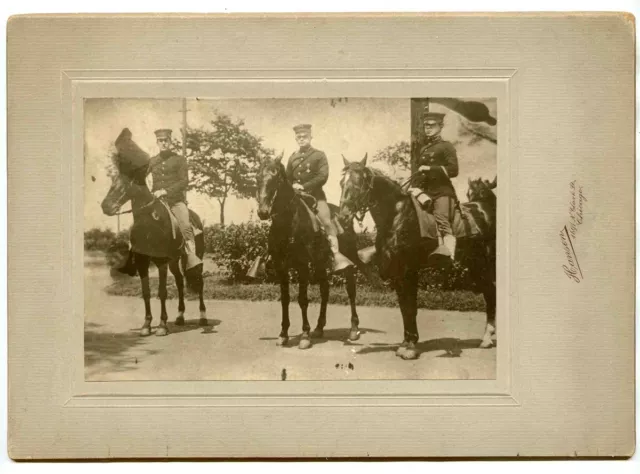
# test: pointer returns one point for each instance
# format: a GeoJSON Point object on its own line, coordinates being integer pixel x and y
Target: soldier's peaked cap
{"type": "Point", "coordinates": [303, 127]}
{"type": "Point", "coordinates": [163, 133]}
{"type": "Point", "coordinates": [438, 117]}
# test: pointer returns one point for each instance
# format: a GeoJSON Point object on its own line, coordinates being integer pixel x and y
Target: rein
{"type": "Point", "coordinates": [129, 211]}
{"type": "Point", "coordinates": [273, 201]}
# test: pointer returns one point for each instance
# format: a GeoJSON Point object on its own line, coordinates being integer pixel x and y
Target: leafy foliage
{"type": "Point", "coordinates": [98, 239]}
{"type": "Point", "coordinates": [234, 248]}
{"type": "Point", "coordinates": [398, 156]}
{"type": "Point", "coordinates": [224, 159]}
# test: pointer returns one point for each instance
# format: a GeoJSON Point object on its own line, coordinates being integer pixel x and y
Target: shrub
{"type": "Point", "coordinates": [234, 247]}
{"type": "Point", "coordinates": [98, 239]}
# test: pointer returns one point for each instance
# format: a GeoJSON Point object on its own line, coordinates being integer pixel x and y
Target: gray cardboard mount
{"type": "Point", "coordinates": [565, 88]}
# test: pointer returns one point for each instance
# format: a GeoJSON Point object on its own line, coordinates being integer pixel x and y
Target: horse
{"type": "Point", "coordinates": [401, 251]}
{"type": "Point", "coordinates": [152, 240]}
{"type": "Point", "coordinates": [295, 242]}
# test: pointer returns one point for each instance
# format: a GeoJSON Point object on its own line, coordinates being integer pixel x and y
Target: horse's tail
{"type": "Point", "coordinates": [194, 276]}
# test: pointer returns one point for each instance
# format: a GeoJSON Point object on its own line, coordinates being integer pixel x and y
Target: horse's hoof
{"type": "Point", "coordinates": [161, 331]}
{"type": "Point", "coordinates": [144, 332]}
{"type": "Point", "coordinates": [410, 353]}
{"type": "Point", "coordinates": [180, 321]}
{"type": "Point", "coordinates": [317, 333]}
{"type": "Point", "coordinates": [282, 341]}
{"type": "Point", "coordinates": [401, 350]}
{"type": "Point", "coordinates": [486, 344]}
{"type": "Point", "coordinates": [304, 344]}
{"type": "Point", "coordinates": [354, 335]}
{"type": "Point", "coordinates": [203, 322]}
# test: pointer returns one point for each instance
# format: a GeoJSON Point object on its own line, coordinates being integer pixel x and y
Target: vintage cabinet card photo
{"type": "Point", "coordinates": [321, 236]}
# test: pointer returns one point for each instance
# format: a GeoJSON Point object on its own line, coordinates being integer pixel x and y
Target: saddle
{"type": "Point", "coordinates": [175, 228]}
{"type": "Point", "coordinates": [311, 205]}
{"type": "Point", "coordinates": [469, 220]}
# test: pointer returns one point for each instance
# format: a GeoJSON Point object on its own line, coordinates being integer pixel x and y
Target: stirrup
{"type": "Point", "coordinates": [340, 262]}
{"type": "Point", "coordinates": [366, 254]}
{"type": "Point", "coordinates": [192, 261]}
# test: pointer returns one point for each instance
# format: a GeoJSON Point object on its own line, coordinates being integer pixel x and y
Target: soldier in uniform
{"type": "Point", "coordinates": [438, 162]}
{"type": "Point", "coordinates": [308, 170]}
{"type": "Point", "coordinates": [170, 175]}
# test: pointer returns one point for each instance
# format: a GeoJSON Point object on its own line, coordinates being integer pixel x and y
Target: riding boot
{"type": "Point", "coordinates": [340, 262]}
{"type": "Point", "coordinates": [449, 242]}
{"type": "Point", "coordinates": [129, 267]}
{"type": "Point", "coordinates": [192, 259]}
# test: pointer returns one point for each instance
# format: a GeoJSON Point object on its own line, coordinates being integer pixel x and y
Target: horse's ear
{"type": "Point", "coordinates": [494, 183]}
{"type": "Point", "coordinates": [279, 157]}
{"type": "Point", "coordinates": [346, 162]}
{"type": "Point", "coordinates": [364, 160]}
{"type": "Point", "coordinates": [469, 180]}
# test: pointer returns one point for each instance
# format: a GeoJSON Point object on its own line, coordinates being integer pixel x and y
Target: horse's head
{"type": "Point", "coordinates": [271, 176]}
{"type": "Point", "coordinates": [121, 186]}
{"type": "Point", "coordinates": [481, 189]}
{"type": "Point", "coordinates": [356, 184]}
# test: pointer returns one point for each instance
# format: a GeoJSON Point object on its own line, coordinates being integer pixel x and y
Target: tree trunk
{"type": "Point", "coordinates": [222, 202]}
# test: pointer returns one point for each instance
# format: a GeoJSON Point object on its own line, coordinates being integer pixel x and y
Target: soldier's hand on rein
{"type": "Point", "coordinates": [415, 191]}
{"type": "Point", "coordinates": [159, 193]}
{"type": "Point", "coordinates": [298, 187]}
{"type": "Point", "coordinates": [424, 168]}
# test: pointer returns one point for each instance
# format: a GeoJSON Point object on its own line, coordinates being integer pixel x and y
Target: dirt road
{"type": "Point", "coordinates": [240, 342]}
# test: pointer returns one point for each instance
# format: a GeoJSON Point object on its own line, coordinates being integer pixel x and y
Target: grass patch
{"type": "Point", "coordinates": [217, 289]}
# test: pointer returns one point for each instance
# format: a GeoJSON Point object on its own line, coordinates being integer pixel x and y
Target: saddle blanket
{"type": "Point", "coordinates": [315, 220]}
{"type": "Point", "coordinates": [175, 227]}
{"type": "Point", "coordinates": [469, 220]}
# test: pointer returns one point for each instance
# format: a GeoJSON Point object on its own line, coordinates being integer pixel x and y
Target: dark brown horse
{"type": "Point", "coordinates": [294, 242]}
{"type": "Point", "coordinates": [401, 251]}
{"type": "Point", "coordinates": [153, 240]}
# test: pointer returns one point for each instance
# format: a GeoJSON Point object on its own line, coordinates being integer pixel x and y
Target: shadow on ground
{"type": "Point", "coordinates": [113, 349]}
{"type": "Point", "coordinates": [452, 347]}
{"type": "Point", "coordinates": [335, 334]}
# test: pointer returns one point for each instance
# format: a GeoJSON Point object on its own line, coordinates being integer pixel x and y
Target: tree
{"type": "Point", "coordinates": [224, 160]}
{"type": "Point", "coordinates": [397, 156]}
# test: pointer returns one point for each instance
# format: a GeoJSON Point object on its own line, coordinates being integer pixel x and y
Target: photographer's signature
{"type": "Point", "coordinates": [569, 233]}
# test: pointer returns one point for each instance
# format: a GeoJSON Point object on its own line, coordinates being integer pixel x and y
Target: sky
{"type": "Point", "coordinates": [352, 127]}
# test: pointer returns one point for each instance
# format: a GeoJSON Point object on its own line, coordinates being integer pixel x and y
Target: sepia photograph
{"type": "Point", "coordinates": [266, 237]}
{"type": "Point", "coordinates": [301, 239]}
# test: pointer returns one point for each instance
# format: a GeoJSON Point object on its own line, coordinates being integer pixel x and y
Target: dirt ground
{"type": "Point", "coordinates": [240, 342]}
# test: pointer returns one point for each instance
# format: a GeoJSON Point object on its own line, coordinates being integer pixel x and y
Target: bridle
{"type": "Point", "coordinates": [362, 205]}
{"type": "Point", "coordinates": [279, 183]}
{"type": "Point", "coordinates": [139, 209]}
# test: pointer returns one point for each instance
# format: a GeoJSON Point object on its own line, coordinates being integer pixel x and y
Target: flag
{"type": "Point", "coordinates": [470, 109]}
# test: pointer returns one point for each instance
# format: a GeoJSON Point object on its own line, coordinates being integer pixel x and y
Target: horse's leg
{"type": "Point", "coordinates": [142, 265]}
{"type": "Point", "coordinates": [162, 294]}
{"type": "Point", "coordinates": [303, 301]}
{"type": "Point", "coordinates": [350, 275]}
{"type": "Point", "coordinates": [411, 313]}
{"type": "Point", "coordinates": [323, 283]}
{"type": "Point", "coordinates": [283, 276]}
{"type": "Point", "coordinates": [489, 292]}
{"type": "Point", "coordinates": [203, 309]}
{"type": "Point", "coordinates": [174, 266]}
{"type": "Point", "coordinates": [406, 285]}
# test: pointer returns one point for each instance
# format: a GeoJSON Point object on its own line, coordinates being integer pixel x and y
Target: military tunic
{"type": "Point", "coordinates": [441, 156]}
{"type": "Point", "coordinates": [170, 172]}
{"type": "Point", "coordinates": [309, 168]}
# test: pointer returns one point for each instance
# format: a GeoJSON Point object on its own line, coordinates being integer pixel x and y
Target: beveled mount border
{"type": "Point", "coordinates": [154, 396]}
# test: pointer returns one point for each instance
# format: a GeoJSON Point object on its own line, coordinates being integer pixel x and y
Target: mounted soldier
{"type": "Point", "coordinates": [436, 163]}
{"type": "Point", "coordinates": [170, 174]}
{"type": "Point", "coordinates": [308, 171]}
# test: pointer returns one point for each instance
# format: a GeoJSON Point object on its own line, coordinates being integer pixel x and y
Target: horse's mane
{"type": "Point", "coordinates": [393, 185]}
